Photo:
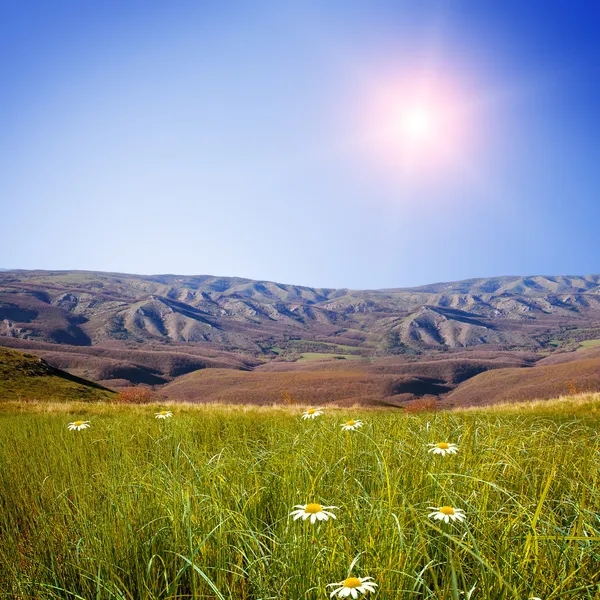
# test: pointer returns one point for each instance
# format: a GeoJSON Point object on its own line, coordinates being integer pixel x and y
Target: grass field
{"type": "Point", "coordinates": [197, 506]}
{"type": "Point", "coordinates": [589, 343]}
{"type": "Point", "coordinates": [321, 356]}
{"type": "Point", "coordinates": [308, 345]}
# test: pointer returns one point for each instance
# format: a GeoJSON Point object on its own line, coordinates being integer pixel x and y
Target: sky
{"type": "Point", "coordinates": [369, 144]}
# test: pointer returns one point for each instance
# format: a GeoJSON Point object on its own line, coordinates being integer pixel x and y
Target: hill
{"type": "Point", "coordinates": [538, 383]}
{"type": "Point", "coordinates": [27, 377]}
{"type": "Point", "coordinates": [119, 364]}
{"type": "Point", "coordinates": [393, 381]}
{"type": "Point", "coordinates": [237, 387]}
{"type": "Point", "coordinates": [567, 357]}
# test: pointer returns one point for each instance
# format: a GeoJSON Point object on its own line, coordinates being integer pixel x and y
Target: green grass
{"type": "Point", "coordinates": [589, 343]}
{"type": "Point", "coordinates": [321, 347]}
{"type": "Point", "coordinates": [322, 355]}
{"type": "Point", "coordinates": [326, 345]}
{"type": "Point", "coordinates": [197, 506]}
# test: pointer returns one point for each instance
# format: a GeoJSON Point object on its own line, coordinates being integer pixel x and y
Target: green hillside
{"type": "Point", "coordinates": [27, 377]}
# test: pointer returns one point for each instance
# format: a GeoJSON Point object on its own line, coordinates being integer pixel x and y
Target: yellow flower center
{"type": "Point", "coordinates": [447, 510]}
{"type": "Point", "coordinates": [311, 411]}
{"type": "Point", "coordinates": [352, 582]}
{"type": "Point", "coordinates": [443, 446]}
{"type": "Point", "coordinates": [78, 423]}
{"type": "Point", "coordinates": [162, 412]}
{"type": "Point", "coordinates": [313, 508]}
{"type": "Point", "coordinates": [351, 423]}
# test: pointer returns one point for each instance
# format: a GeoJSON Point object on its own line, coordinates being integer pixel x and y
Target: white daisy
{"type": "Point", "coordinates": [312, 413]}
{"type": "Point", "coordinates": [77, 425]}
{"type": "Point", "coordinates": [314, 512]}
{"type": "Point", "coordinates": [443, 448]}
{"type": "Point", "coordinates": [163, 414]}
{"type": "Point", "coordinates": [445, 513]}
{"type": "Point", "coordinates": [352, 425]}
{"type": "Point", "coordinates": [353, 586]}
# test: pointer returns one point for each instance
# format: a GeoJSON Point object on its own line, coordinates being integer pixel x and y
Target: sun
{"type": "Point", "coordinates": [418, 124]}
{"type": "Point", "coordinates": [422, 132]}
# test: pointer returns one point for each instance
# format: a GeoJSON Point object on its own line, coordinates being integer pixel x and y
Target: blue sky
{"type": "Point", "coordinates": [237, 138]}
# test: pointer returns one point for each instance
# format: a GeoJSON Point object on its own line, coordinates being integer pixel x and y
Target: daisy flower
{"type": "Point", "coordinates": [443, 448]}
{"type": "Point", "coordinates": [312, 413]}
{"type": "Point", "coordinates": [445, 513]}
{"type": "Point", "coordinates": [353, 586]}
{"type": "Point", "coordinates": [351, 425]}
{"type": "Point", "coordinates": [77, 425]}
{"type": "Point", "coordinates": [315, 512]}
{"type": "Point", "coordinates": [163, 414]}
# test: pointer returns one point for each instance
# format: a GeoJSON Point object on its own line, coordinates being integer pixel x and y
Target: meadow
{"type": "Point", "coordinates": [589, 344]}
{"type": "Point", "coordinates": [320, 356]}
{"type": "Point", "coordinates": [198, 505]}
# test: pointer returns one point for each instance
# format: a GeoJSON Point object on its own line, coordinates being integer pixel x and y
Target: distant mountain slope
{"type": "Point", "coordinates": [27, 377]}
{"type": "Point", "coordinates": [517, 285]}
{"type": "Point", "coordinates": [87, 309]}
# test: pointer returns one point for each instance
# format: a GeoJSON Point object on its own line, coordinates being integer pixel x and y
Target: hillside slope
{"type": "Point", "coordinates": [119, 365]}
{"type": "Point", "coordinates": [27, 377]}
{"type": "Point", "coordinates": [385, 381]}
{"type": "Point", "coordinates": [537, 383]}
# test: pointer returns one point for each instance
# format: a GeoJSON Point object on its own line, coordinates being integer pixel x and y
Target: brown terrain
{"type": "Point", "coordinates": [217, 339]}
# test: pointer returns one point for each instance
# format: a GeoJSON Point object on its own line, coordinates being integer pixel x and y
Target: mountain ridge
{"type": "Point", "coordinates": [240, 314]}
{"type": "Point", "coordinates": [165, 278]}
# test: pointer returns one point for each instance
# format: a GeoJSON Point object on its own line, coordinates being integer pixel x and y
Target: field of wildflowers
{"type": "Point", "coordinates": [136, 503]}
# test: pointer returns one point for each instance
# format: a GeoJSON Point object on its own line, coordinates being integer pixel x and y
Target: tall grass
{"type": "Point", "coordinates": [197, 506]}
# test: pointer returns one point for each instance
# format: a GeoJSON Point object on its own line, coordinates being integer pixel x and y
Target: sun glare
{"type": "Point", "coordinates": [417, 125]}
{"type": "Point", "coordinates": [425, 131]}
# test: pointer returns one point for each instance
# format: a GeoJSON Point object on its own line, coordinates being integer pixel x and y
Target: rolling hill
{"type": "Point", "coordinates": [118, 365]}
{"type": "Point", "coordinates": [26, 377]}
{"type": "Point", "coordinates": [391, 381]}
{"type": "Point", "coordinates": [539, 383]}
